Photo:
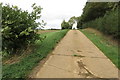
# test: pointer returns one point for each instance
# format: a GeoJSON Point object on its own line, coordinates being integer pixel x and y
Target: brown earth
{"type": "Point", "coordinates": [44, 31]}
{"type": "Point", "coordinates": [77, 57]}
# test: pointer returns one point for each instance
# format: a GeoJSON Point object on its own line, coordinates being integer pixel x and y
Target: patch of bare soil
{"type": "Point", "coordinates": [44, 31]}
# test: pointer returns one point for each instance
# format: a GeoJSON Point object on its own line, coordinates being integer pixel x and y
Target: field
{"type": "Point", "coordinates": [44, 31]}
{"type": "Point", "coordinates": [22, 68]}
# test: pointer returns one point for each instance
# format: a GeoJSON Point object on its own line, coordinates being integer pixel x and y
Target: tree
{"type": "Point", "coordinates": [79, 22]}
{"type": "Point", "coordinates": [94, 10]}
{"type": "Point", "coordinates": [72, 20]}
{"type": "Point", "coordinates": [65, 25]}
{"type": "Point", "coordinates": [101, 16]}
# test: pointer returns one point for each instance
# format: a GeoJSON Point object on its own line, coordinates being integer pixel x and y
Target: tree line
{"type": "Point", "coordinates": [103, 16]}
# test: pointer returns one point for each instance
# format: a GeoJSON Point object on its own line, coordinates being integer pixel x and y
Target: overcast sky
{"type": "Point", "coordinates": [54, 11]}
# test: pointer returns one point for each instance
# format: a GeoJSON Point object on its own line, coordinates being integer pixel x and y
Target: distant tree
{"type": "Point", "coordinates": [65, 25]}
{"type": "Point", "coordinates": [69, 24]}
{"type": "Point", "coordinates": [72, 20]}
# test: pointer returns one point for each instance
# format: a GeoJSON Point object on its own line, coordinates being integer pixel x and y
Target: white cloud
{"type": "Point", "coordinates": [54, 11]}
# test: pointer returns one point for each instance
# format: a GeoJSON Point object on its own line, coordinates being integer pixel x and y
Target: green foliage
{"type": "Point", "coordinates": [91, 11]}
{"type": "Point", "coordinates": [102, 16]}
{"type": "Point", "coordinates": [18, 27]}
{"type": "Point", "coordinates": [107, 24]}
{"type": "Point", "coordinates": [79, 22]}
{"type": "Point", "coordinates": [24, 67]}
{"type": "Point", "coordinates": [72, 20]}
{"type": "Point", "coordinates": [65, 25]}
{"type": "Point", "coordinates": [94, 10]}
{"type": "Point", "coordinates": [111, 51]}
{"type": "Point", "coordinates": [69, 24]}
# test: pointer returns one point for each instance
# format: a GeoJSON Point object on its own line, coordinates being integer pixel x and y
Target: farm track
{"type": "Point", "coordinates": [76, 56]}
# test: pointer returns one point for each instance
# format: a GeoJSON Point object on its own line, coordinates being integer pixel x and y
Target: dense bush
{"type": "Point", "coordinates": [107, 24]}
{"type": "Point", "coordinates": [18, 27]}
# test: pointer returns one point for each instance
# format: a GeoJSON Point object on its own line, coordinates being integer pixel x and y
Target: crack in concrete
{"type": "Point", "coordinates": [71, 71]}
{"type": "Point", "coordinates": [86, 74]}
{"type": "Point", "coordinates": [59, 68]}
{"type": "Point", "coordinates": [96, 57]}
{"type": "Point", "coordinates": [83, 72]}
{"type": "Point", "coordinates": [75, 55]}
{"type": "Point", "coordinates": [61, 54]}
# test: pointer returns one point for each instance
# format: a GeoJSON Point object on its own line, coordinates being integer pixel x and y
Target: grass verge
{"type": "Point", "coordinates": [27, 63]}
{"type": "Point", "coordinates": [110, 50]}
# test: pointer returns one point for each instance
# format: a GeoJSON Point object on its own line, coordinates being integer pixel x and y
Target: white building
{"type": "Point", "coordinates": [74, 25]}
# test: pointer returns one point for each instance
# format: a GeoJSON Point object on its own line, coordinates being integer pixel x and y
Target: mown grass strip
{"type": "Point", "coordinates": [111, 51]}
{"type": "Point", "coordinates": [26, 64]}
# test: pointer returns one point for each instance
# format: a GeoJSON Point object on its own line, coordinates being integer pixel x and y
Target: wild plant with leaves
{"type": "Point", "coordinates": [19, 28]}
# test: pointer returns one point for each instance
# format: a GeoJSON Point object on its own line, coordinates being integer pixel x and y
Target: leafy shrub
{"type": "Point", "coordinates": [18, 27]}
